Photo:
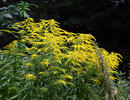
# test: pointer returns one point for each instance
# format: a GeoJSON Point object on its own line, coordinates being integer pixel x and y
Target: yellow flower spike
{"type": "Point", "coordinates": [41, 72]}
{"type": "Point", "coordinates": [34, 56]}
{"type": "Point", "coordinates": [45, 62]}
{"type": "Point", "coordinates": [29, 64]}
{"type": "Point", "coordinates": [71, 39]}
{"type": "Point", "coordinates": [66, 77]}
{"type": "Point", "coordinates": [21, 54]}
{"type": "Point", "coordinates": [30, 19]}
{"type": "Point", "coordinates": [23, 40]}
{"type": "Point", "coordinates": [62, 70]}
{"type": "Point", "coordinates": [31, 49]}
{"type": "Point", "coordinates": [30, 76]}
{"type": "Point", "coordinates": [112, 77]}
{"type": "Point", "coordinates": [39, 50]}
{"type": "Point", "coordinates": [55, 72]}
{"type": "Point", "coordinates": [61, 82]}
{"type": "Point", "coordinates": [12, 45]}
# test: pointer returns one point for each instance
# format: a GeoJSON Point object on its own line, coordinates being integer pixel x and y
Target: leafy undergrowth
{"type": "Point", "coordinates": [49, 63]}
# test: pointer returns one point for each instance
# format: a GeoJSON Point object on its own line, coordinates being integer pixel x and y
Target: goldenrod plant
{"type": "Point", "coordinates": [49, 63]}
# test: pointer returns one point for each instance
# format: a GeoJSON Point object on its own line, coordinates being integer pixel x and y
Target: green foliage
{"type": "Point", "coordinates": [8, 14]}
{"type": "Point", "coordinates": [122, 86]}
{"type": "Point", "coordinates": [47, 62]}
{"type": "Point", "coordinates": [23, 8]}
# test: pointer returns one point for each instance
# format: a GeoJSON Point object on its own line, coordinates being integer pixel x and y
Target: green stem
{"type": "Point", "coordinates": [107, 80]}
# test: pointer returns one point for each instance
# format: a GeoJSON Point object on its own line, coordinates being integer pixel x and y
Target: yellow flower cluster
{"type": "Point", "coordinates": [30, 76]}
{"type": "Point", "coordinates": [54, 46]}
{"type": "Point", "coordinates": [11, 46]}
{"type": "Point", "coordinates": [41, 72]}
{"type": "Point", "coordinates": [29, 64]}
{"type": "Point", "coordinates": [45, 62]}
{"type": "Point", "coordinates": [33, 56]}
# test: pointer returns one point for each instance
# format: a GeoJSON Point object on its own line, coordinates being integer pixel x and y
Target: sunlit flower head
{"type": "Point", "coordinates": [29, 64]}
{"type": "Point", "coordinates": [30, 76]}
{"type": "Point", "coordinates": [41, 72]}
{"type": "Point", "coordinates": [33, 56]}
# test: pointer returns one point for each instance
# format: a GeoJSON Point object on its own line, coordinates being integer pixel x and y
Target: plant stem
{"type": "Point", "coordinates": [107, 80]}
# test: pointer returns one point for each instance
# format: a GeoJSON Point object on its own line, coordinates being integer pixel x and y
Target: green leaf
{"type": "Point", "coordinates": [14, 97]}
{"type": "Point", "coordinates": [25, 14]}
{"type": "Point", "coordinates": [1, 95]}
{"type": "Point", "coordinates": [74, 97]}
{"type": "Point", "coordinates": [8, 15]}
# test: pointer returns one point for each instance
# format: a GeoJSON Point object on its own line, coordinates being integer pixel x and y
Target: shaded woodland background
{"type": "Point", "coordinates": [107, 20]}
